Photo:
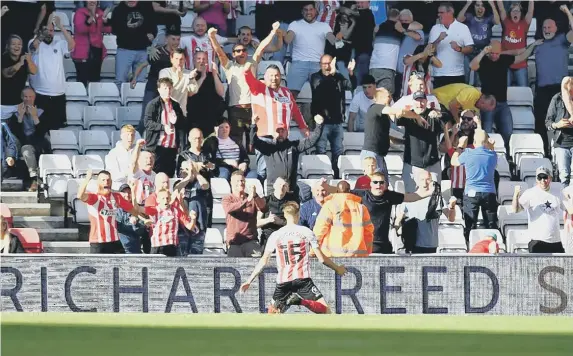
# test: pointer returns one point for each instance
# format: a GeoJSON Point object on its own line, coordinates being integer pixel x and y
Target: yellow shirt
{"type": "Point", "coordinates": [464, 94]}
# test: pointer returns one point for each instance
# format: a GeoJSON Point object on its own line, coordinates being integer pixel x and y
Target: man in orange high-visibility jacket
{"type": "Point", "coordinates": [343, 226]}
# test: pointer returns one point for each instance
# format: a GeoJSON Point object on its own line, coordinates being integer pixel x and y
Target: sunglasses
{"type": "Point", "coordinates": [467, 118]}
{"type": "Point", "coordinates": [542, 177]}
{"type": "Point", "coordinates": [239, 50]}
{"type": "Point", "coordinates": [378, 182]}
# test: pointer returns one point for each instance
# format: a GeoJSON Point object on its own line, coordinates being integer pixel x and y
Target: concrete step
{"type": "Point", "coordinates": [39, 222]}
{"type": "Point", "coordinates": [19, 197]}
{"type": "Point", "coordinates": [58, 234]}
{"type": "Point", "coordinates": [66, 247]}
{"type": "Point", "coordinates": [12, 185]}
{"type": "Point", "coordinates": [27, 209]}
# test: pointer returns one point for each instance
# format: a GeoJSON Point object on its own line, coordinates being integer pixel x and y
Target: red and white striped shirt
{"type": "Point", "coordinates": [327, 12]}
{"type": "Point", "coordinates": [166, 223]}
{"type": "Point", "coordinates": [275, 108]}
{"type": "Point", "coordinates": [233, 11]}
{"type": "Point", "coordinates": [102, 210]}
{"type": "Point", "coordinates": [458, 174]}
{"type": "Point", "coordinates": [194, 43]}
{"type": "Point", "coordinates": [406, 78]}
{"type": "Point", "coordinates": [168, 117]}
{"type": "Point", "coordinates": [292, 244]}
{"type": "Point", "coordinates": [144, 185]}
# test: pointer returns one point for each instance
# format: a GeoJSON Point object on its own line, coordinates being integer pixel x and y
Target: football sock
{"type": "Point", "coordinates": [313, 306]}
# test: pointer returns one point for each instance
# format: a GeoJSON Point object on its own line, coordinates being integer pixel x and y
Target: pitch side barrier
{"type": "Point", "coordinates": [436, 284]}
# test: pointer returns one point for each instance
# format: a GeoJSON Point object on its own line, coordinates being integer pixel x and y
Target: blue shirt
{"type": "Point", "coordinates": [479, 164]}
{"type": "Point", "coordinates": [379, 10]}
{"type": "Point", "coordinates": [308, 213]}
{"type": "Point", "coordinates": [551, 60]}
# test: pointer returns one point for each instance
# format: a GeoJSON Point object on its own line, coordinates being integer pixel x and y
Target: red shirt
{"type": "Point", "coordinates": [362, 183]}
{"type": "Point", "coordinates": [102, 211]}
{"type": "Point", "coordinates": [483, 247]}
{"type": "Point", "coordinates": [166, 223]}
{"type": "Point", "coordinates": [514, 37]}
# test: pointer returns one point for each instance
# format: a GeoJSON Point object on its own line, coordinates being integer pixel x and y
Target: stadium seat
{"type": "Point", "coordinates": [499, 145]}
{"type": "Point", "coordinates": [29, 238]}
{"type": "Point", "coordinates": [219, 216]}
{"type": "Point", "coordinates": [503, 168]}
{"type": "Point", "coordinates": [399, 186]}
{"type": "Point", "coordinates": [305, 95]}
{"type": "Point", "coordinates": [316, 166]}
{"type": "Point", "coordinates": [258, 186]}
{"type": "Point", "coordinates": [81, 164]}
{"type": "Point", "coordinates": [505, 191]}
{"type": "Point", "coordinates": [129, 115]}
{"type": "Point", "coordinates": [519, 96]}
{"type": "Point", "coordinates": [521, 144]}
{"type": "Point", "coordinates": [477, 235]}
{"type": "Point", "coordinates": [350, 167]}
{"type": "Point", "coordinates": [99, 116]}
{"type": "Point", "coordinates": [55, 170]}
{"type": "Point", "coordinates": [262, 67]}
{"type": "Point", "coordinates": [309, 182]}
{"type": "Point", "coordinates": [523, 119]}
{"type": "Point", "coordinates": [507, 218]}
{"type": "Point", "coordinates": [132, 96]}
{"type": "Point", "coordinates": [7, 214]}
{"type": "Point", "coordinates": [69, 69]}
{"type": "Point", "coordinates": [458, 221]}
{"type": "Point", "coordinates": [106, 93]}
{"type": "Point", "coordinates": [220, 187]}
{"type": "Point", "coordinates": [64, 140]}
{"type": "Point", "coordinates": [395, 164]}
{"type": "Point", "coordinates": [76, 91]}
{"type": "Point", "coordinates": [214, 239]}
{"type": "Point", "coordinates": [246, 20]}
{"type": "Point", "coordinates": [108, 69]}
{"type": "Point", "coordinates": [75, 113]}
{"type": "Point", "coordinates": [528, 166]}
{"type": "Point", "coordinates": [79, 208]}
{"type": "Point", "coordinates": [64, 19]}
{"type": "Point", "coordinates": [518, 240]}
{"type": "Point", "coordinates": [110, 43]}
{"type": "Point", "coordinates": [93, 140]}
{"type": "Point", "coordinates": [353, 142]}
{"type": "Point", "coordinates": [451, 239]}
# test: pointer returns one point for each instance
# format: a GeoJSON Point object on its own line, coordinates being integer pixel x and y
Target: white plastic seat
{"type": "Point", "coordinates": [69, 69]}
{"type": "Point", "coordinates": [110, 43]}
{"type": "Point", "coordinates": [64, 19]}
{"type": "Point", "coordinates": [399, 186]}
{"type": "Point", "coordinates": [507, 218]}
{"type": "Point", "coordinates": [451, 240]}
{"type": "Point", "coordinates": [63, 140]}
{"type": "Point", "coordinates": [75, 113]}
{"type": "Point", "coordinates": [76, 91]}
{"type": "Point", "coordinates": [246, 20]}
{"type": "Point", "coordinates": [350, 166]}
{"type": "Point", "coordinates": [262, 67]}
{"type": "Point", "coordinates": [502, 168]}
{"type": "Point", "coordinates": [128, 115]}
{"type": "Point", "coordinates": [94, 140]}
{"type": "Point", "coordinates": [132, 96]}
{"type": "Point", "coordinates": [528, 166]}
{"type": "Point", "coordinates": [214, 239]}
{"type": "Point", "coordinates": [219, 216]}
{"type": "Point", "coordinates": [220, 187]}
{"type": "Point", "coordinates": [316, 166]}
{"type": "Point", "coordinates": [258, 186]}
{"type": "Point", "coordinates": [477, 235]}
{"type": "Point", "coordinates": [505, 191]}
{"type": "Point", "coordinates": [55, 170]}
{"type": "Point", "coordinates": [499, 145]}
{"type": "Point", "coordinates": [521, 144]}
{"type": "Point", "coordinates": [81, 164]}
{"type": "Point", "coordinates": [187, 22]}
{"type": "Point", "coordinates": [103, 93]}
{"type": "Point", "coordinates": [99, 116]}
{"type": "Point", "coordinates": [523, 118]}
{"type": "Point", "coordinates": [108, 69]}
{"type": "Point", "coordinates": [395, 164]}
{"type": "Point", "coordinates": [353, 142]}
{"type": "Point", "coordinates": [305, 95]}
{"type": "Point", "coordinates": [446, 186]}
{"type": "Point", "coordinates": [80, 210]}
{"type": "Point", "coordinates": [518, 240]}
{"type": "Point", "coordinates": [519, 96]}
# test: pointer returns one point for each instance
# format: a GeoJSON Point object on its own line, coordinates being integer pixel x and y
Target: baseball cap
{"type": "Point", "coordinates": [542, 170]}
{"type": "Point", "coordinates": [492, 235]}
{"type": "Point", "coordinates": [419, 95]}
{"type": "Point", "coordinates": [123, 187]}
{"type": "Point", "coordinates": [280, 126]}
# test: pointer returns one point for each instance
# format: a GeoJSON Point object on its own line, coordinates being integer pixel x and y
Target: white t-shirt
{"type": "Point", "coordinates": [385, 53]}
{"type": "Point", "coordinates": [194, 43]}
{"type": "Point", "coordinates": [309, 40]}
{"type": "Point", "coordinates": [408, 100]}
{"type": "Point", "coordinates": [452, 61]}
{"type": "Point", "coordinates": [360, 105]}
{"type": "Point", "coordinates": [51, 76]}
{"type": "Point", "coordinates": [544, 211]}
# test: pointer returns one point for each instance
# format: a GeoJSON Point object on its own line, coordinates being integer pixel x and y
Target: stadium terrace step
{"type": "Point", "coordinates": [58, 234]}
{"type": "Point", "coordinates": [66, 247]}
{"type": "Point", "coordinates": [39, 222]}
{"type": "Point", "coordinates": [19, 197]}
{"type": "Point", "coordinates": [12, 185]}
{"type": "Point", "coordinates": [26, 209]}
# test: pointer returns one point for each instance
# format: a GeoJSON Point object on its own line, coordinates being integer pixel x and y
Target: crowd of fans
{"type": "Point", "coordinates": [439, 78]}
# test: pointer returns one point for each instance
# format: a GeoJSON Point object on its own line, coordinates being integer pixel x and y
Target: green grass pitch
{"type": "Point", "coordinates": [63, 334]}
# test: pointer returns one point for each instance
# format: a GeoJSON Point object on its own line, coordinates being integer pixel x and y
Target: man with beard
{"type": "Point", "coordinates": [15, 69]}
{"type": "Point", "coordinates": [50, 80]}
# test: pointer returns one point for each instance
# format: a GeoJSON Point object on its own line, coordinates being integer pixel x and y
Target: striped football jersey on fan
{"type": "Point", "coordinates": [193, 43]}
{"type": "Point", "coordinates": [168, 117]}
{"type": "Point", "coordinates": [102, 212]}
{"type": "Point", "coordinates": [166, 223]}
{"type": "Point", "coordinates": [144, 185]}
{"type": "Point", "coordinates": [328, 12]}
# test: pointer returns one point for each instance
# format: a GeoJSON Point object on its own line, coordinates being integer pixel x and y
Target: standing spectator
{"type": "Point", "coordinates": [245, 38]}
{"type": "Point", "coordinates": [343, 28]}
{"type": "Point", "coordinates": [369, 166]}
{"type": "Point", "coordinates": [486, 245]}
{"type": "Point", "coordinates": [492, 67]}
{"type": "Point", "coordinates": [273, 219]}
{"type": "Point", "coordinates": [453, 41]}
{"type": "Point", "coordinates": [15, 69]}
{"type": "Point", "coordinates": [161, 182]}
{"type": "Point", "coordinates": [90, 24]}
{"type": "Point", "coordinates": [480, 27]}
{"type": "Point", "coordinates": [104, 236]}
{"type": "Point", "coordinates": [329, 101]}
{"type": "Point", "coordinates": [281, 155]}
{"type": "Point", "coordinates": [118, 159]}
{"type": "Point", "coordinates": [206, 107]}
{"type": "Point", "coordinates": [50, 80]}
{"type": "Point", "coordinates": [266, 13]}
{"type": "Point", "coordinates": [21, 18]}
{"type": "Point", "coordinates": [9, 150]}
{"type": "Point", "coordinates": [410, 42]}
{"type": "Point", "coordinates": [164, 128]}
{"type": "Point", "coordinates": [384, 60]}
{"type": "Point", "coordinates": [214, 13]}
{"type": "Point", "coordinates": [544, 210]}
{"type": "Point", "coordinates": [24, 125]}
{"type": "Point", "coordinates": [514, 39]}
{"type": "Point", "coordinates": [362, 38]}
{"type": "Point", "coordinates": [421, 146]}
{"type": "Point", "coordinates": [168, 16]}
{"type": "Point", "coordinates": [199, 41]}
{"type": "Point", "coordinates": [142, 173]}
{"type": "Point", "coordinates": [427, 238]}
{"type": "Point", "coordinates": [360, 104]}
{"type": "Point", "coordinates": [129, 227]}
{"type": "Point", "coordinates": [479, 164]}
{"type": "Point", "coordinates": [184, 82]}
{"type": "Point", "coordinates": [133, 22]}
{"type": "Point", "coordinates": [343, 226]}
{"type": "Point", "coordinates": [551, 10]}
{"type": "Point", "coordinates": [308, 39]}
{"type": "Point", "coordinates": [309, 211]}
{"type": "Point", "coordinates": [241, 210]}
{"type": "Point", "coordinates": [417, 66]}
{"type": "Point", "coordinates": [235, 8]}
{"type": "Point", "coordinates": [9, 243]}
{"type": "Point", "coordinates": [158, 59]}
{"type": "Point", "coordinates": [551, 63]}
{"type": "Point", "coordinates": [454, 98]}
{"type": "Point", "coordinates": [240, 112]}
{"type": "Point", "coordinates": [327, 11]}
{"type": "Point", "coordinates": [559, 120]}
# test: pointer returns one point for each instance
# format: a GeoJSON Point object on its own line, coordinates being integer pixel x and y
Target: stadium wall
{"type": "Point", "coordinates": [443, 284]}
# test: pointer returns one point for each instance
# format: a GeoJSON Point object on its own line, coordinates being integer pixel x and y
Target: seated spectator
{"type": "Point", "coordinates": [9, 243]}
{"type": "Point", "coordinates": [165, 127]}
{"type": "Point", "coordinates": [369, 166]}
{"type": "Point", "coordinates": [130, 228]}
{"type": "Point", "coordinates": [89, 26]}
{"type": "Point", "coordinates": [309, 210]}
{"type": "Point", "coordinates": [214, 13]}
{"type": "Point", "coordinates": [229, 156]}
{"type": "Point", "coordinates": [184, 82]}
{"type": "Point", "coordinates": [25, 126]}
{"type": "Point", "coordinates": [9, 150]}
{"type": "Point", "coordinates": [360, 104]}
{"type": "Point", "coordinates": [416, 67]}
{"type": "Point", "coordinates": [408, 46]}
{"type": "Point", "coordinates": [486, 245]}
{"type": "Point", "coordinates": [16, 65]}
{"type": "Point", "coordinates": [417, 82]}
{"type": "Point", "coordinates": [167, 216]}
{"type": "Point", "coordinates": [118, 159]}
{"type": "Point", "coordinates": [141, 172]}
{"type": "Point", "coordinates": [454, 98]}
{"type": "Point", "coordinates": [544, 210]}
{"type": "Point", "coordinates": [241, 218]}
{"type": "Point", "coordinates": [273, 219]}
{"type": "Point", "coordinates": [343, 226]}
{"type": "Point", "coordinates": [560, 120]}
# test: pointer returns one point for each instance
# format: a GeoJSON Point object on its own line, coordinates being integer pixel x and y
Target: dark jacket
{"type": "Point", "coordinates": [132, 24]}
{"type": "Point", "coordinates": [154, 127]}
{"type": "Point", "coordinates": [15, 245]}
{"type": "Point", "coordinates": [282, 157]}
{"type": "Point", "coordinates": [421, 146]}
{"type": "Point", "coordinates": [124, 227]}
{"type": "Point", "coordinates": [329, 96]}
{"type": "Point", "coordinates": [211, 147]}
{"type": "Point", "coordinates": [555, 113]}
